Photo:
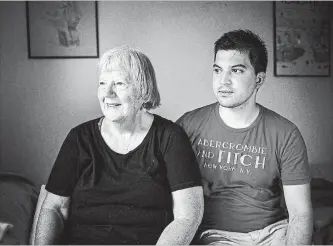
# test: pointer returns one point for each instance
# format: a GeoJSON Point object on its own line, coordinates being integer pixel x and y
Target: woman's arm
{"type": "Point", "coordinates": [50, 222]}
{"type": "Point", "coordinates": [188, 208]}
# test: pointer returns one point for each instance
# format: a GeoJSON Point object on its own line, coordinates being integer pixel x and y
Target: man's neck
{"type": "Point", "coordinates": [239, 117]}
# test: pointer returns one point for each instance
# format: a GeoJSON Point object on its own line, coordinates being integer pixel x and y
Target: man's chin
{"type": "Point", "coordinates": [227, 104]}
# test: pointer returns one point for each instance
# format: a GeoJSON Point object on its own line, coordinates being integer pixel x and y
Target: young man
{"type": "Point", "coordinates": [248, 155]}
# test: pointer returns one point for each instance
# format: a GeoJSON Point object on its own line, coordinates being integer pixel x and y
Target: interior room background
{"type": "Point", "coordinates": [41, 99]}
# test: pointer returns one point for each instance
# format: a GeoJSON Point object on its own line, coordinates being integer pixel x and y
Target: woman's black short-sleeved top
{"type": "Point", "coordinates": [122, 198]}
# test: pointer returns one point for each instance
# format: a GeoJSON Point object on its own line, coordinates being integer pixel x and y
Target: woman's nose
{"type": "Point", "coordinates": [110, 90]}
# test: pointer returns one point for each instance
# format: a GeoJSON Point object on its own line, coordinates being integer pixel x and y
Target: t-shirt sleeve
{"type": "Point", "coordinates": [295, 168]}
{"type": "Point", "coordinates": [64, 174]}
{"type": "Point", "coordinates": [182, 122]}
{"type": "Point", "coordinates": [182, 168]}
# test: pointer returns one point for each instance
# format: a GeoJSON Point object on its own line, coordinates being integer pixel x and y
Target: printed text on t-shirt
{"type": "Point", "coordinates": [227, 156]}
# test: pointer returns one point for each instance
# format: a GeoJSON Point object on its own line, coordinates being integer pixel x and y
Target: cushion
{"type": "Point", "coordinates": [322, 202]}
{"type": "Point", "coordinates": [322, 171]}
{"type": "Point", "coordinates": [322, 217]}
{"type": "Point", "coordinates": [321, 193]}
{"type": "Point", "coordinates": [18, 198]}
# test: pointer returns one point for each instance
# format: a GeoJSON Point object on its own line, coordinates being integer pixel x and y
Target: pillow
{"type": "Point", "coordinates": [322, 217]}
{"type": "Point", "coordinates": [322, 202]}
{"type": "Point", "coordinates": [321, 193]}
{"type": "Point", "coordinates": [322, 171]}
{"type": "Point", "coordinates": [40, 201]}
{"type": "Point", "coordinates": [18, 199]}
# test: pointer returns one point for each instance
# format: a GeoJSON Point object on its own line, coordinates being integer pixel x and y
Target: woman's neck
{"type": "Point", "coordinates": [126, 126]}
{"type": "Point", "coordinates": [123, 138]}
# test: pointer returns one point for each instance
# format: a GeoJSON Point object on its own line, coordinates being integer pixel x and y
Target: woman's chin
{"type": "Point", "coordinates": [114, 118]}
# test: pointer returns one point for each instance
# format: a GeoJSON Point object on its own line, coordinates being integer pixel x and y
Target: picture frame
{"type": "Point", "coordinates": [301, 39]}
{"type": "Point", "coordinates": [62, 29]}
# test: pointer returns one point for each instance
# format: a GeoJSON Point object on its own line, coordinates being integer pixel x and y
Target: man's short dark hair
{"type": "Point", "coordinates": [245, 41]}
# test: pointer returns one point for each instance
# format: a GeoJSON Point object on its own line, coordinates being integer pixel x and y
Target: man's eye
{"type": "Point", "coordinates": [237, 71]}
{"type": "Point", "coordinates": [216, 70]}
{"type": "Point", "coordinates": [102, 83]}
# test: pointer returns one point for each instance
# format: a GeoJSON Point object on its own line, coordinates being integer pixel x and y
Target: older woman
{"type": "Point", "coordinates": [129, 177]}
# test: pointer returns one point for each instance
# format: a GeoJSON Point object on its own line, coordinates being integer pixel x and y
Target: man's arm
{"type": "Point", "coordinates": [50, 224]}
{"type": "Point", "coordinates": [298, 201]}
{"type": "Point", "coordinates": [188, 208]}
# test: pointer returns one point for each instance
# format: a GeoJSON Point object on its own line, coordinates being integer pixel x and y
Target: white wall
{"type": "Point", "coordinates": [42, 99]}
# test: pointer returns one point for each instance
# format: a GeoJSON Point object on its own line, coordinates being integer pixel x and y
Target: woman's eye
{"type": "Point", "coordinates": [101, 82]}
{"type": "Point", "coordinates": [120, 85]}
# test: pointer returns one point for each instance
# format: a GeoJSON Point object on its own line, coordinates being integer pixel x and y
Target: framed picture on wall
{"type": "Point", "coordinates": [62, 29]}
{"type": "Point", "coordinates": [301, 38]}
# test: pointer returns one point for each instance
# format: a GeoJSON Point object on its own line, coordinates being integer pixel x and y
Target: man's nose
{"type": "Point", "coordinates": [225, 78]}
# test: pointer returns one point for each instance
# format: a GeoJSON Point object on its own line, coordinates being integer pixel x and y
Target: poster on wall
{"type": "Point", "coordinates": [62, 29]}
{"type": "Point", "coordinates": [302, 38]}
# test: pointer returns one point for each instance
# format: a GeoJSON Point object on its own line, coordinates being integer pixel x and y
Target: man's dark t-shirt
{"type": "Point", "coordinates": [122, 198]}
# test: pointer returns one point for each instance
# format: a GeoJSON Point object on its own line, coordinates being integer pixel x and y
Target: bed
{"type": "Point", "coordinates": [19, 196]}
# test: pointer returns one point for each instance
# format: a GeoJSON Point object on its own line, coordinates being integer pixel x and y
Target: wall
{"type": "Point", "coordinates": [42, 99]}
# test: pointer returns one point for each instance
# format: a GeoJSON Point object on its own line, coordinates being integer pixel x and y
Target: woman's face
{"type": "Point", "coordinates": [117, 96]}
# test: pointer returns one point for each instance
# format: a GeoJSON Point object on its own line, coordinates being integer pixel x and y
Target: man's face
{"type": "Point", "coordinates": [234, 79]}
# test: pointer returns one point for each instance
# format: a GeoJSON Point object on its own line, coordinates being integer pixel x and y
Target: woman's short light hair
{"type": "Point", "coordinates": [140, 71]}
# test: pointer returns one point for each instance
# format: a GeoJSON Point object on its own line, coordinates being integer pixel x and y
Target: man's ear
{"type": "Point", "coordinates": [260, 79]}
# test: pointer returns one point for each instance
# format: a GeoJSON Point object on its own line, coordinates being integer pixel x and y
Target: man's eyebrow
{"type": "Point", "coordinates": [237, 65]}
